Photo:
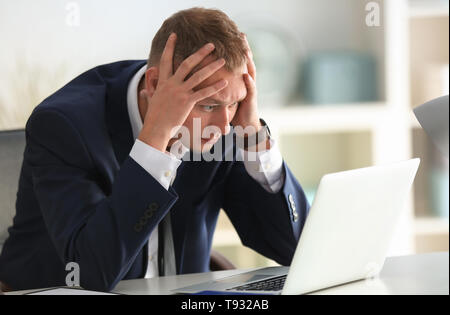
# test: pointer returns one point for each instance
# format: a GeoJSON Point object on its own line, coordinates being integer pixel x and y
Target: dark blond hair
{"type": "Point", "coordinates": [195, 28]}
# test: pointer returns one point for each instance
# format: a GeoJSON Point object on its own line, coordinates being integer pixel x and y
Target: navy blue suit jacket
{"type": "Point", "coordinates": [82, 199]}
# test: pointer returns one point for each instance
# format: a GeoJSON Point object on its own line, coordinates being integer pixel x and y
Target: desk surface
{"type": "Point", "coordinates": [420, 274]}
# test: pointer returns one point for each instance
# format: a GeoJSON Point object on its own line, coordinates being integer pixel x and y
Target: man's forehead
{"type": "Point", "coordinates": [211, 58]}
{"type": "Point", "coordinates": [234, 92]}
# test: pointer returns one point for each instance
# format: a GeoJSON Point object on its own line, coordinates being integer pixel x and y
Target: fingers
{"type": "Point", "coordinates": [251, 86]}
{"type": "Point", "coordinates": [204, 73]}
{"type": "Point", "coordinates": [192, 61]}
{"type": "Point", "coordinates": [166, 63]}
{"type": "Point", "coordinates": [251, 67]}
{"type": "Point", "coordinates": [209, 91]}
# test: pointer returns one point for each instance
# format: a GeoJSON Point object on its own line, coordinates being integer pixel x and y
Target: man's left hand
{"type": "Point", "coordinates": [247, 114]}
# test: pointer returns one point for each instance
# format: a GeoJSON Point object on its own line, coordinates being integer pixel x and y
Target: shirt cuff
{"type": "Point", "coordinates": [266, 167]}
{"type": "Point", "coordinates": [161, 166]}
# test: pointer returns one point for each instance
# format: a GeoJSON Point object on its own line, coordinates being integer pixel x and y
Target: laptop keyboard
{"type": "Point", "coordinates": [272, 284]}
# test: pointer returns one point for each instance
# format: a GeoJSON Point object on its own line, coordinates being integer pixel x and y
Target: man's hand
{"type": "Point", "coordinates": [247, 114]}
{"type": "Point", "coordinates": [174, 98]}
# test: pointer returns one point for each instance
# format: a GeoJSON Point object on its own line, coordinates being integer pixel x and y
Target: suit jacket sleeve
{"type": "Point", "coordinates": [263, 220]}
{"type": "Point", "coordinates": [101, 229]}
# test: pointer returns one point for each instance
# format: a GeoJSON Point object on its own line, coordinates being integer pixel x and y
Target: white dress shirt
{"type": "Point", "coordinates": [266, 169]}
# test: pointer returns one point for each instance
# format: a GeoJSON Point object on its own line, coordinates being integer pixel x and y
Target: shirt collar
{"type": "Point", "coordinates": [178, 149]}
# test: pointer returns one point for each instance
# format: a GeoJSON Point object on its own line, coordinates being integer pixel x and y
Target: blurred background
{"type": "Point", "coordinates": [337, 82]}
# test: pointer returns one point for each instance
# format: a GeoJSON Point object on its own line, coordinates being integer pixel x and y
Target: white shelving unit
{"type": "Point", "coordinates": [387, 122]}
{"type": "Point", "coordinates": [301, 118]}
{"type": "Point", "coordinates": [429, 59]}
{"type": "Point", "coordinates": [387, 125]}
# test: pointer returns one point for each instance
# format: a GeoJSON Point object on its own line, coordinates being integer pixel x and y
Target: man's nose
{"type": "Point", "coordinates": [223, 121]}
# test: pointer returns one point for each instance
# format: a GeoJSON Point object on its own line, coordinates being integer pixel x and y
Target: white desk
{"type": "Point", "coordinates": [420, 274]}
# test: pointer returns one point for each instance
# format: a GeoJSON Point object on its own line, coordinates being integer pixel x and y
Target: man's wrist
{"type": "Point", "coordinates": [161, 166]}
{"type": "Point", "coordinates": [258, 140]}
{"type": "Point", "coordinates": [256, 126]}
{"type": "Point", "coordinates": [155, 140]}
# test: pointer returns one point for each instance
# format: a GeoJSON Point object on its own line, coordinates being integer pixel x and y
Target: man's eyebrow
{"type": "Point", "coordinates": [219, 102]}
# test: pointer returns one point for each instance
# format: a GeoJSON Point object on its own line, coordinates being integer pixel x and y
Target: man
{"type": "Point", "coordinates": [100, 188]}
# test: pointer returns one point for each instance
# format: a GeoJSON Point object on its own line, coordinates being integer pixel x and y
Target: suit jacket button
{"type": "Point", "coordinates": [291, 198]}
{"type": "Point", "coordinates": [153, 207]}
{"type": "Point", "coordinates": [149, 214]}
{"type": "Point", "coordinates": [138, 228]}
{"type": "Point", "coordinates": [143, 221]}
{"type": "Point", "coordinates": [293, 206]}
{"type": "Point", "coordinates": [295, 215]}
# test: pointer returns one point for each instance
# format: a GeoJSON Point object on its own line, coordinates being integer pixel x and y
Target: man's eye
{"type": "Point", "coordinates": [208, 108]}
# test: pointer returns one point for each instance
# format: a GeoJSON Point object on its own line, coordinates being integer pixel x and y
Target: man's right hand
{"type": "Point", "coordinates": [174, 98]}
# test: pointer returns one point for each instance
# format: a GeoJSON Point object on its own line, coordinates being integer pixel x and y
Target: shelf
{"type": "Point", "coordinates": [329, 118]}
{"type": "Point", "coordinates": [311, 156]}
{"type": "Point", "coordinates": [325, 118]}
{"type": "Point", "coordinates": [428, 8]}
{"type": "Point", "coordinates": [427, 226]}
{"type": "Point", "coordinates": [431, 234]}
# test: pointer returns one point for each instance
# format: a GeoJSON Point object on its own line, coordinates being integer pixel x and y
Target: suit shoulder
{"type": "Point", "coordinates": [87, 92]}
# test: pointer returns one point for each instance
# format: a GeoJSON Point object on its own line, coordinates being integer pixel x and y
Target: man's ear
{"type": "Point", "coordinates": [151, 80]}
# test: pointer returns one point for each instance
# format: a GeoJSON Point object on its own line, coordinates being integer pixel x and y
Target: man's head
{"type": "Point", "coordinates": [195, 28]}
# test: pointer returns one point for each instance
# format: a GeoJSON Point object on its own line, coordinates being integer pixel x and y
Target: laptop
{"type": "Point", "coordinates": [346, 236]}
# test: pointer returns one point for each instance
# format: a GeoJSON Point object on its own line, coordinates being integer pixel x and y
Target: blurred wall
{"type": "Point", "coordinates": [46, 43]}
